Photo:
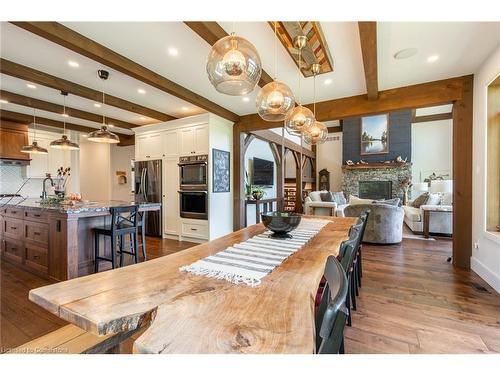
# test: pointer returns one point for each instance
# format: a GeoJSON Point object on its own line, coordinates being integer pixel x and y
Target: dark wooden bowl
{"type": "Point", "coordinates": [280, 223]}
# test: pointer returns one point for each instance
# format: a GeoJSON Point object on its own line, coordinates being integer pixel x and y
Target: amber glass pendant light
{"type": "Point", "coordinates": [33, 148]}
{"type": "Point", "coordinates": [233, 65]}
{"type": "Point", "coordinates": [64, 143]}
{"type": "Point", "coordinates": [317, 132]}
{"type": "Point", "coordinates": [300, 117]}
{"type": "Point", "coordinates": [275, 99]}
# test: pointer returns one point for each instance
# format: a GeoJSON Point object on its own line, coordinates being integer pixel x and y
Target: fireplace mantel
{"type": "Point", "coordinates": [376, 166]}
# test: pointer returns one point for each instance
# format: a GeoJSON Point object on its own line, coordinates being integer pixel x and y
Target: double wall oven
{"type": "Point", "coordinates": [193, 190]}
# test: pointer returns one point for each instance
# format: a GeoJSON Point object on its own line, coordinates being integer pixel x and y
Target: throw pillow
{"type": "Point", "coordinates": [434, 199]}
{"type": "Point", "coordinates": [420, 200]}
{"type": "Point", "coordinates": [339, 198]}
{"type": "Point", "coordinates": [355, 200]}
{"type": "Point", "coordinates": [326, 197]}
{"type": "Point", "coordinates": [315, 196]}
{"type": "Point", "coordinates": [447, 199]}
{"type": "Point", "coordinates": [390, 202]}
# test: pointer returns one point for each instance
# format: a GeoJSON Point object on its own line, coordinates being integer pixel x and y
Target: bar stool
{"type": "Point", "coordinates": [124, 221]}
{"type": "Point", "coordinates": [142, 229]}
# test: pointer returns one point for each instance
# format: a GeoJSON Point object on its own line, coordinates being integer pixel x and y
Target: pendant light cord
{"type": "Point", "coordinates": [34, 125]}
{"type": "Point", "coordinates": [300, 93]}
{"type": "Point", "coordinates": [314, 96]}
{"type": "Point", "coordinates": [103, 102]}
{"type": "Point", "coordinates": [275, 50]}
{"type": "Point", "coordinates": [64, 117]}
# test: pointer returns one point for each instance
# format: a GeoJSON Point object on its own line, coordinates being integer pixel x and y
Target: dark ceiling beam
{"type": "Point", "coordinates": [59, 109]}
{"type": "Point", "coordinates": [211, 32]}
{"type": "Point", "coordinates": [32, 75]}
{"type": "Point", "coordinates": [435, 117]}
{"type": "Point", "coordinates": [368, 39]}
{"type": "Point", "coordinates": [409, 97]}
{"type": "Point", "coordinates": [28, 119]}
{"type": "Point", "coordinates": [68, 38]}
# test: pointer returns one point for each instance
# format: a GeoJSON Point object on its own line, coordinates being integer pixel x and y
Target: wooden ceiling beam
{"type": "Point", "coordinates": [211, 32]}
{"type": "Point", "coordinates": [368, 39]}
{"type": "Point", "coordinates": [415, 96]}
{"type": "Point", "coordinates": [28, 119]}
{"type": "Point", "coordinates": [59, 109]}
{"type": "Point", "coordinates": [68, 38]}
{"type": "Point", "coordinates": [270, 136]}
{"type": "Point", "coordinates": [32, 75]}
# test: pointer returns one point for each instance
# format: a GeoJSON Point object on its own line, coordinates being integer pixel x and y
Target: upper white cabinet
{"type": "Point", "coordinates": [194, 140]}
{"type": "Point", "coordinates": [149, 146]}
{"type": "Point", "coordinates": [171, 143]}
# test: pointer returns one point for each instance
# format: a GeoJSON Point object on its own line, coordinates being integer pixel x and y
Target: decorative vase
{"type": "Point", "coordinates": [257, 195]}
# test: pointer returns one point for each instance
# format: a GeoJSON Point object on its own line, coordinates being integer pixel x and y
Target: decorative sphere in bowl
{"type": "Point", "coordinates": [280, 223]}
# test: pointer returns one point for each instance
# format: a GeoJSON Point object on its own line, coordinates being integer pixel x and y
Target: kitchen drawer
{"type": "Point", "coordinates": [14, 212]}
{"type": "Point", "coordinates": [13, 228]}
{"type": "Point", "coordinates": [36, 215]}
{"type": "Point", "coordinates": [196, 230]}
{"type": "Point", "coordinates": [37, 232]}
{"type": "Point", "coordinates": [36, 257]}
{"type": "Point", "coordinates": [13, 250]}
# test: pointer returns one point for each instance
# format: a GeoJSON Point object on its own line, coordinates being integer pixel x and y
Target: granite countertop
{"type": "Point", "coordinates": [78, 207]}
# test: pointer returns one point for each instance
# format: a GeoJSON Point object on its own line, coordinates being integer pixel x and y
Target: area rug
{"type": "Point", "coordinates": [407, 233]}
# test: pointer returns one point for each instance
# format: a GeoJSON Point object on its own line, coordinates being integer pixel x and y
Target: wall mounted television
{"type": "Point", "coordinates": [263, 172]}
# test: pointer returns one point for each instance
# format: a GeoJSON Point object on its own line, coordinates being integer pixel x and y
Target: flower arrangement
{"type": "Point", "coordinates": [63, 175]}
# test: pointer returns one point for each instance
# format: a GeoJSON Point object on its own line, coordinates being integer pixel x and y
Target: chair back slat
{"type": "Point", "coordinates": [124, 215]}
{"type": "Point", "coordinates": [332, 314]}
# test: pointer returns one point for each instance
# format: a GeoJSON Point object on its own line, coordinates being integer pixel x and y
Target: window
{"type": "Point", "coordinates": [493, 158]}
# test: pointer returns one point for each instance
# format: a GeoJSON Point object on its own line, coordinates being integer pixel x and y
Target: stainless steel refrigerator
{"type": "Point", "coordinates": [148, 189]}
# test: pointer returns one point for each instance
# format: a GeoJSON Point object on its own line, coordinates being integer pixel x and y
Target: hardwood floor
{"type": "Point", "coordinates": [411, 301]}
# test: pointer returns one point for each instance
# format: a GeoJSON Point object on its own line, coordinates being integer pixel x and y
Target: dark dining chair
{"type": "Point", "coordinates": [332, 313]}
{"type": "Point", "coordinates": [363, 218]}
{"type": "Point", "coordinates": [347, 254]}
{"type": "Point", "coordinates": [124, 221]}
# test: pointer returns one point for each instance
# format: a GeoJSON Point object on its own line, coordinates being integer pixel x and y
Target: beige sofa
{"type": "Point", "coordinates": [439, 222]}
{"type": "Point", "coordinates": [313, 205]}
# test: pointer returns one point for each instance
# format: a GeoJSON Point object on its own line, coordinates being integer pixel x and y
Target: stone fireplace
{"type": "Point", "coordinates": [355, 180]}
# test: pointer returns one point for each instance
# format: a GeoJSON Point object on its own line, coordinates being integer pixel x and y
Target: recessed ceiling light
{"type": "Point", "coordinates": [327, 81]}
{"type": "Point", "coordinates": [185, 108]}
{"type": "Point", "coordinates": [84, 135]}
{"type": "Point", "coordinates": [432, 58]}
{"type": "Point", "coordinates": [111, 126]}
{"type": "Point", "coordinates": [405, 53]}
{"type": "Point", "coordinates": [3, 101]}
{"type": "Point", "coordinates": [31, 86]}
{"type": "Point", "coordinates": [246, 99]}
{"type": "Point", "coordinates": [64, 115]}
{"type": "Point", "coordinates": [172, 51]}
{"type": "Point", "coordinates": [73, 64]}
{"type": "Point", "coordinates": [143, 118]}
{"type": "Point", "coordinates": [97, 105]}
{"type": "Point", "coordinates": [141, 91]}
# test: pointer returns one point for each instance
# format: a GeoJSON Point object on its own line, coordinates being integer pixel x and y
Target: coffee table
{"type": "Point", "coordinates": [427, 214]}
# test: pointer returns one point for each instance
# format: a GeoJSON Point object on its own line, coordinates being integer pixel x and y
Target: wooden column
{"type": "Point", "coordinates": [238, 177]}
{"type": "Point", "coordinates": [462, 176]}
{"type": "Point", "coordinates": [298, 181]}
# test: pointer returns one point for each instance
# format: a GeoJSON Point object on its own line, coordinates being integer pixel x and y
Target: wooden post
{"type": "Point", "coordinates": [462, 175]}
{"type": "Point", "coordinates": [238, 177]}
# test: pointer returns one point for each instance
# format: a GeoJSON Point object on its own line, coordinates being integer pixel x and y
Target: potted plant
{"type": "Point", "coordinates": [248, 186]}
{"type": "Point", "coordinates": [258, 192]}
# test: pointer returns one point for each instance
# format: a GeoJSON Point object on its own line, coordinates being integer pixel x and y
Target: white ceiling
{"type": "Point", "coordinates": [461, 48]}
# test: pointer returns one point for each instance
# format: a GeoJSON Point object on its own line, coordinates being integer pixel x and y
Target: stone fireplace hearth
{"type": "Point", "coordinates": [394, 173]}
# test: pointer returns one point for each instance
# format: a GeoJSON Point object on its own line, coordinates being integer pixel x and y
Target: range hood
{"type": "Point", "coordinates": [14, 162]}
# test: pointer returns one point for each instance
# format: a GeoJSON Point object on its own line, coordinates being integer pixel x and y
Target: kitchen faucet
{"type": "Point", "coordinates": [44, 192]}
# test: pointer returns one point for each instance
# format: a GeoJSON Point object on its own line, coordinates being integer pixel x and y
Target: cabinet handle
{"type": "Point", "coordinates": [36, 233]}
{"type": "Point", "coordinates": [36, 215]}
{"type": "Point", "coordinates": [13, 248]}
{"type": "Point", "coordinates": [36, 257]}
{"type": "Point", "coordinates": [13, 212]}
{"type": "Point", "coordinates": [194, 229]}
{"type": "Point", "coordinates": [13, 228]}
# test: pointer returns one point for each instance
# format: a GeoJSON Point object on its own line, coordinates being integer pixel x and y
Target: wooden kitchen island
{"type": "Point", "coordinates": [185, 313]}
{"type": "Point", "coordinates": [54, 241]}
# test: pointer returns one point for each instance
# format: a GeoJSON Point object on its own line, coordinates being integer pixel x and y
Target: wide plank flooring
{"type": "Point", "coordinates": [411, 301]}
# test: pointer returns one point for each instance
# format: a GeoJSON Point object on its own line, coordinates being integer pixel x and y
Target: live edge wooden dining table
{"type": "Point", "coordinates": [186, 313]}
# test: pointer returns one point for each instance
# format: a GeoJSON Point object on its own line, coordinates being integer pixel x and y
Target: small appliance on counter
{"type": "Point", "coordinates": [148, 189]}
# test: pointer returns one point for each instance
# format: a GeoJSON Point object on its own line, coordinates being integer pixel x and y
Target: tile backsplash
{"type": "Point", "coordinates": [11, 179]}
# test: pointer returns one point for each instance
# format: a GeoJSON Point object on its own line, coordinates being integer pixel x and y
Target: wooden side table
{"type": "Point", "coordinates": [427, 214]}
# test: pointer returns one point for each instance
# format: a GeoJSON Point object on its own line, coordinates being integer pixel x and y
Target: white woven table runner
{"type": "Point", "coordinates": [249, 261]}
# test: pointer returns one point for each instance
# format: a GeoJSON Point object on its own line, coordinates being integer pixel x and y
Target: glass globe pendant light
{"type": "Point", "coordinates": [33, 148]}
{"type": "Point", "coordinates": [233, 65]}
{"type": "Point", "coordinates": [317, 132]}
{"type": "Point", "coordinates": [64, 143]}
{"type": "Point", "coordinates": [300, 117]}
{"type": "Point", "coordinates": [275, 99]}
{"type": "Point", "coordinates": [103, 135]}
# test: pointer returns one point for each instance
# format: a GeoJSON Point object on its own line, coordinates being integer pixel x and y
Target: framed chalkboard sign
{"type": "Point", "coordinates": [220, 171]}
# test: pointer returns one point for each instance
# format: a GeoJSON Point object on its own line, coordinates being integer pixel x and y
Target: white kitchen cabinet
{"type": "Point", "coordinates": [194, 140]}
{"type": "Point", "coordinates": [171, 143]}
{"type": "Point", "coordinates": [171, 196]}
{"type": "Point", "coordinates": [149, 146]}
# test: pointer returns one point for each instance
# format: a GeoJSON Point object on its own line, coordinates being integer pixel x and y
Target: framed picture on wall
{"type": "Point", "coordinates": [375, 135]}
{"type": "Point", "coordinates": [220, 171]}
